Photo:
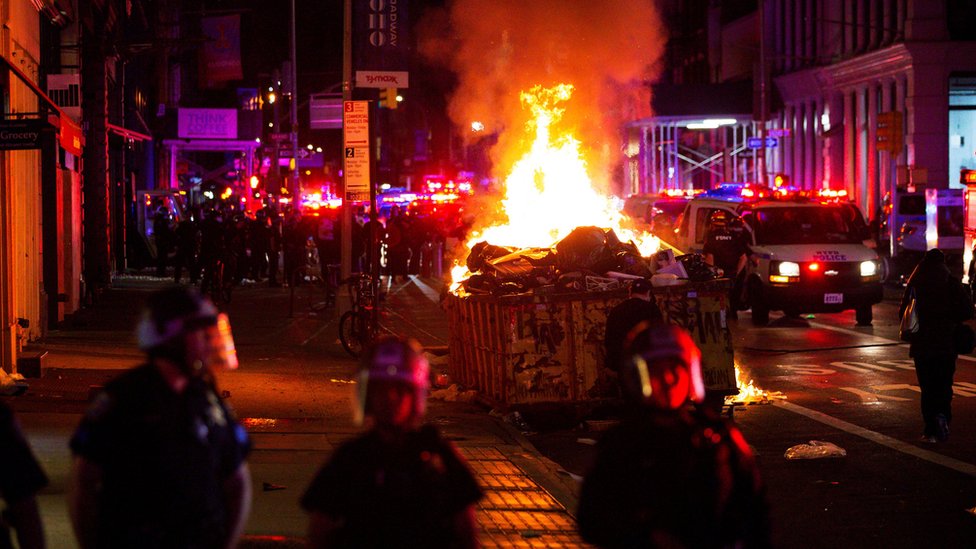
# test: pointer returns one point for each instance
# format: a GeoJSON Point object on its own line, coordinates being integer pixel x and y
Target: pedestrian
{"type": "Point", "coordinates": [21, 477]}
{"type": "Point", "coordinates": [187, 248]}
{"type": "Point", "coordinates": [212, 248]}
{"type": "Point", "coordinates": [397, 244]}
{"type": "Point", "coordinates": [671, 474]}
{"type": "Point", "coordinates": [624, 316]}
{"type": "Point", "coordinates": [399, 484]}
{"type": "Point", "coordinates": [942, 304]}
{"type": "Point", "coordinates": [260, 233]}
{"type": "Point", "coordinates": [159, 459]}
{"type": "Point", "coordinates": [327, 244]}
{"type": "Point", "coordinates": [275, 246]}
{"type": "Point", "coordinates": [294, 239]}
{"type": "Point", "coordinates": [163, 238]}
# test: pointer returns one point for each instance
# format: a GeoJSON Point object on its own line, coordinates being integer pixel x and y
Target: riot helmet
{"type": "Point", "coordinates": [174, 313]}
{"type": "Point", "coordinates": [718, 218]}
{"type": "Point", "coordinates": [662, 367]}
{"type": "Point", "coordinates": [392, 361]}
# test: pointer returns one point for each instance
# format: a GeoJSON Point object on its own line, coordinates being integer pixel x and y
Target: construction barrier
{"type": "Point", "coordinates": [524, 349]}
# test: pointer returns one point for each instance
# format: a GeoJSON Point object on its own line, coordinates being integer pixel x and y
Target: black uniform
{"type": "Point", "coordinates": [394, 496]}
{"type": "Point", "coordinates": [673, 479]}
{"type": "Point", "coordinates": [727, 246]}
{"type": "Point", "coordinates": [20, 475]}
{"type": "Point", "coordinates": [164, 458]}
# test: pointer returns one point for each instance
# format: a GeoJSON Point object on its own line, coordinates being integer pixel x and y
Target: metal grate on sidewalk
{"type": "Point", "coordinates": [516, 512]}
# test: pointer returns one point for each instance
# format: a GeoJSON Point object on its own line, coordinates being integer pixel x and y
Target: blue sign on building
{"type": "Point", "coordinates": [756, 142]}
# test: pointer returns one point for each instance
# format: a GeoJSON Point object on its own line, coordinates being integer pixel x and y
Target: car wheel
{"type": "Point", "coordinates": [864, 315]}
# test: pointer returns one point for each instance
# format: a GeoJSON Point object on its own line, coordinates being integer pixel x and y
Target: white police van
{"type": "Point", "coordinates": [808, 254]}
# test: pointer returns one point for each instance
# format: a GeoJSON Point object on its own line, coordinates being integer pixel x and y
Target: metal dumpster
{"type": "Point", "coordinates": [526, 349]}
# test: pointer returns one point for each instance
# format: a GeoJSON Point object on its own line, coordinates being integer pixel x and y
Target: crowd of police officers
{"type": "Point", "coordinates": [292, 246]}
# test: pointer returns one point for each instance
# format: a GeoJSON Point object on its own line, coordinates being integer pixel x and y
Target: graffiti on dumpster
{"type": "Point", "coordinates": [547, 332]}
{"type": "Point", "coordinates": [702, 314]}
{"type": "Point", "coordinates": [540, 349]}
{"type": "Point", "coordinates": [539, 353]}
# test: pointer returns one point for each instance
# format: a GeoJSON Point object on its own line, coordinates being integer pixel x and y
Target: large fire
{"type": "Point", "coordinates": [549, 192]}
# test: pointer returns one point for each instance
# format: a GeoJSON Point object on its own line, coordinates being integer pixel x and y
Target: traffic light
{"type": "Point", "coordinates": [254, 182]}
{"type": "Point", "coordinates": [388, 98]}
{"type": "Point", "coordinates": [781, 180]}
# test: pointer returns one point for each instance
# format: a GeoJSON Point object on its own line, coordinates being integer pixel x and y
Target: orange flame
{"type": "Point", "coordinates": [748, 392]}
{"type": "Point", "coordinates": [549, 192]}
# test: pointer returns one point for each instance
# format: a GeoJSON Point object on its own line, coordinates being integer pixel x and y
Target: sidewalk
{"type": "Point", "coordinates": [293, 393]}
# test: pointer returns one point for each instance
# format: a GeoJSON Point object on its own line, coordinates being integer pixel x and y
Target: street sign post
{"type": "Point", "coordinates": [757, 142]}
{"type": "Point", "coordinates": [355, 146]}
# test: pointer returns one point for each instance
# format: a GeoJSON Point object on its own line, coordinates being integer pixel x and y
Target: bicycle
{"type": "Point", "coordinates": [356, 325]}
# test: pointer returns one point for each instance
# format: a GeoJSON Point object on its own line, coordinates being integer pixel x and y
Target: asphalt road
{"type": "Point", "coordinates": [854, 387]}
{"type": "Point", "coordinates": [827, 379]}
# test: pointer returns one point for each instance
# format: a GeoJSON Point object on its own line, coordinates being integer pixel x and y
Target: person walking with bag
{"type": "Point", "coordinates": [942, 304]}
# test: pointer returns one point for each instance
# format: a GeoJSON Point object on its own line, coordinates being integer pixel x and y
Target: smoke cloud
{"type": "Point", "coordinates": [607, 49]}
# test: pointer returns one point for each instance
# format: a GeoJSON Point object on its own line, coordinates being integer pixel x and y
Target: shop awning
{"type": "Point", "coordinates": [127, 133]}
{"type": "Point", "coordinates": [70, 135]}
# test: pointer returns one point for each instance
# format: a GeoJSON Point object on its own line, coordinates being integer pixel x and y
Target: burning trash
{"type": "Point", "coordinates": [542, 248]}
{"type": "Point", "coordinates": [584, 259]}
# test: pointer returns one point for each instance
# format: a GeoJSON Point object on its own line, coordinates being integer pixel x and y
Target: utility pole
{"type": "Point", "coordinates": [761, 167]}
{"type": "Point", "coordinates": [345, 244]}
{"type": "Point", "coordinates": [295, 184]}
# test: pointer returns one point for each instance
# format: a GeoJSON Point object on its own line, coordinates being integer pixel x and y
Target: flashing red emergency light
{"type": "Point", "coordinates": [813, 267]}
{"type": "Point", "coordinates": [781, 180]}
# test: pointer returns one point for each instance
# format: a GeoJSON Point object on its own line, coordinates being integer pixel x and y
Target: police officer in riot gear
{"type": "Point", "coordinates": [399, 484]}
{"type": "Point", "coordinates": [159, 459]}
{"type": "Point", "coordinates": [671, 474]}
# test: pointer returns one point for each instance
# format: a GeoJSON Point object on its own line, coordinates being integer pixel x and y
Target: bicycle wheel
{"type": "Point", "coordinates": [352, 332]}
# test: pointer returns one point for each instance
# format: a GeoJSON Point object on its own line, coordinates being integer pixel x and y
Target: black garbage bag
{"type": "Point", "coordinates": [482, 253]}
{"type": "Point", "coordinates": [632, 263]}
{"type": "Point", "coordinates": [480, 284]}
{"type": "Point", "coordinates": [696, 267]}
{"type": "Point", "coordinates": [584, 248]}
{"type": "Point", "coordinates": [624, 257]}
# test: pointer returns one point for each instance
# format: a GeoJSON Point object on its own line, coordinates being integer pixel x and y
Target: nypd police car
{"type": "Point", "coordinates": [808, 254]}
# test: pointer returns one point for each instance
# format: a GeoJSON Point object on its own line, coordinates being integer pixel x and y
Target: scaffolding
{"type": "Point", "coordinates": [686, 152]}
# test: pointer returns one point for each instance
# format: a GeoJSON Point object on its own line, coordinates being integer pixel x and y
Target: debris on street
{"type": "Point", "coordinates": [815, 449]}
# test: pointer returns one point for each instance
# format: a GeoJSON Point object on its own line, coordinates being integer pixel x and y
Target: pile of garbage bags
{"type": "Point", "coordinates": [588, 259]}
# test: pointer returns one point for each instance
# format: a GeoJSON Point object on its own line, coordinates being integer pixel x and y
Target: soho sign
{"type": "Point", "coordinates": [383, 26]}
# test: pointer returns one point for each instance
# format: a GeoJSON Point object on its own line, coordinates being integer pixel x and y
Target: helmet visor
{"type": "Point", "coordinates": [220, 343]}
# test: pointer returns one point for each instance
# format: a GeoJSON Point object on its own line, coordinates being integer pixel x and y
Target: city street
{"type": "Point", "coordinates": [853, 387]}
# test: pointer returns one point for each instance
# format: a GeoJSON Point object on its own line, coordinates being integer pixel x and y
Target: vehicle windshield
{"type": "Point", "coordinates": [820, 224]}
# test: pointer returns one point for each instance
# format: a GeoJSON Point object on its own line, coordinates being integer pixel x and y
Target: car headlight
{"type": "Point", "coordinates": [869, 268]}
{"type": "Point", "coordinates": [789, 268]}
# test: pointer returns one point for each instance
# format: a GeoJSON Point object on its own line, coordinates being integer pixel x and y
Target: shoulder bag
{"type": "Point", "coordinates": [909, 319]}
